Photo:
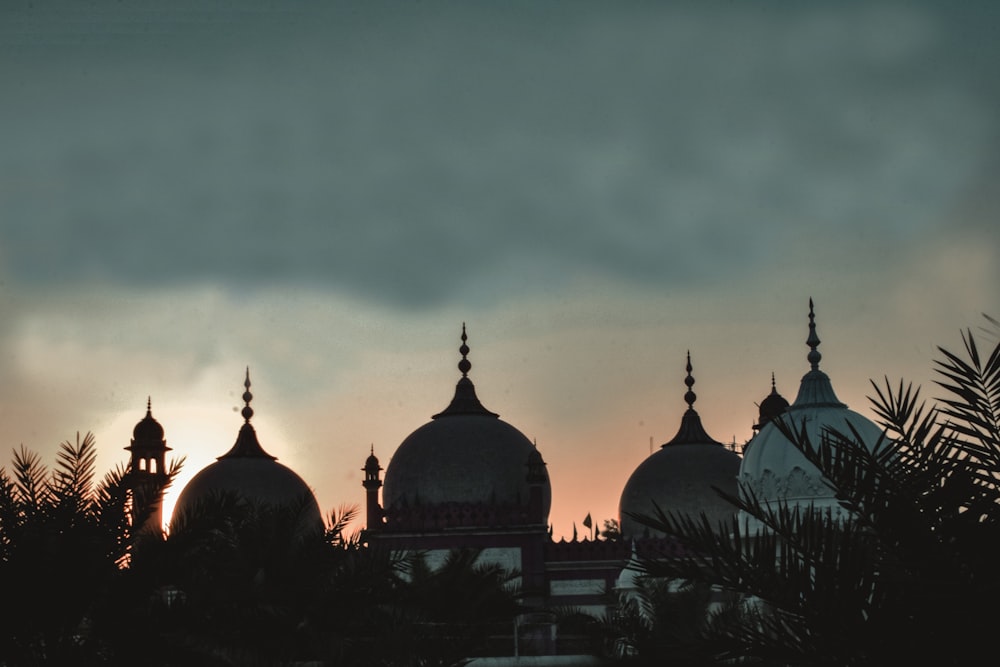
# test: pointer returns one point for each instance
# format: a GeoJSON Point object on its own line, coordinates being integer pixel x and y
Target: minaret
{"type": "Point", "coordinates": [537, 478]}
{"type": "Point", "coordinates": [147, 472]}
{"type": "Point", "coordinates": [372, 483]}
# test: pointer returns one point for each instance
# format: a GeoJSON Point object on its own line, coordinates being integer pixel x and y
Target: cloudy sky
{"type": "Point", "coordinates": [326, 191]}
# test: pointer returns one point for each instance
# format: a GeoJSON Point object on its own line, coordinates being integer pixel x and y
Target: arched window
{"type": "Point", "coordinates": [152, 465]}
{"type": "Point", "coordinates": [142, 464]}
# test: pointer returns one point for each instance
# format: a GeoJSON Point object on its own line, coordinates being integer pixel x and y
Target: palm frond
{"type": "Point", "coordinates": [336, 522]}
{"type": "Point", "coordinates": [31, 491]}
{"type": "Point", "coordinates": [73, 476]}
{"type": "Point", "coordinates": [973, 404]}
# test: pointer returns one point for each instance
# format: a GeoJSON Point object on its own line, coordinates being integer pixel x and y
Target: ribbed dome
{"type": "Point", "coordinates": [251, 474]}
{"type": "Point", "coordinates": [774, 468]}
{"type": "Point", "coordinates": [465, 455]}
{"type": "Point", "coordinates": [680, 476]}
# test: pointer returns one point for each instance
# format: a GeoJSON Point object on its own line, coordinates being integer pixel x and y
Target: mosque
{"type": "Point", "coordinates": [468, 479]}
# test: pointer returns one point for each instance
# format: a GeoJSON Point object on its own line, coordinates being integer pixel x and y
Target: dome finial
{"type": "Point", "coordinates": [774, 387]}
{"type": "Point", "coordinates": [813, 340]}
{"type": "Point", "coordinates": [149, 406]}
{"type": "Point", "coordinates": [689, 396]}
{"type": "Point", "coordinates": [464, 365]}
{"type": "Point", "coordinates": [465, 400]}
{"type": "Point", "coordinates": [247, 397]}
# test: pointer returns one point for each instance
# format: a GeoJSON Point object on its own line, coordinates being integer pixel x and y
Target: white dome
{"type": "Point", "coordinates": [774, 469]}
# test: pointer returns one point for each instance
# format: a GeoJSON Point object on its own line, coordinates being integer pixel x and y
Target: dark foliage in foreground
{"type": "Point", "coordinates": [233, 583]}
{"type": "Point", "coordinates": [911, 578]}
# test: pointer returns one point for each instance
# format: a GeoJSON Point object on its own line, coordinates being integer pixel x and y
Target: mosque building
{"type": "Point", "coordinates": [469, 480]}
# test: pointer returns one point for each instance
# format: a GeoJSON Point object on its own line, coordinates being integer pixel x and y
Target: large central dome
{"type": "Point", "coordinates": [466, 455]}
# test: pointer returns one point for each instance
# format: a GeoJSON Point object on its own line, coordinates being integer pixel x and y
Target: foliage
{"type": "Point", "coordinates": [664, 622]}
{"type": "Point", "coordinates": [454, 609]}
{"type": "Point", "coordinates": [612, 530]}
{"type": "Point", "coordinates": [232, 583]}
{"type": "Point", "coordinates": [63, 538]}
{"type": "Point", "coordinates": [910, 576]}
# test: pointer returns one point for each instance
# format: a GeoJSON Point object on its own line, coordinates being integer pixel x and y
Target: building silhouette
{"type": "Point", "coordinates": [247, 473]}
{"type": "Point", "coordinates": [468, 480]}
{"type": "Point", "coordinates": [147, 472]}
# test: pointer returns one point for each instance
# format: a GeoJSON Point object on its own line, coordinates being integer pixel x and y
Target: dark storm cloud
{"type": "Point", "coordinates": [410, 155]}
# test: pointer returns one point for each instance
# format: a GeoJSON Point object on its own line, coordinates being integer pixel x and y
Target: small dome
{"type": "Point", "coordinates": [251, 474]}
{"type": "Point", "coordinates": [773, 468]}
{"type": "Point", "coordinates": [773, 405]}
{"type": "Point", "coordinates": [148, 429]}
{"type": "Point", "coordinates": [371, 463]}
{"type": "Point", "coordinates": [465, 455]}
{"type": "Point", "coordinates": [680, 476]}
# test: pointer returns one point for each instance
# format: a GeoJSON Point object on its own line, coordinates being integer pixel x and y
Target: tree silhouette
{"type": "Point", "coordinates": [63, 541]}
{"type": "Point", "coordinates": [910, 575]}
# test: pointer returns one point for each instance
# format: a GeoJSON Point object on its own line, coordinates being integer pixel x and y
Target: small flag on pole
{"type": "Point", "coordinates": [587, 521]}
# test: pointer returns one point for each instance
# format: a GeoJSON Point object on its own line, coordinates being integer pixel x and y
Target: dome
{"type": "Point", "coordinates": [773, 405]}
{"type": "Point", "coordinates": [251, 474]}
{"type": "Point", "coordinates": [466, 455]}
{"type": "Point", "coordinates": [680, 476]}
{"type": "Point", "coordinates": [773, 468]}
{"type": "Point", "coordinates": [148, 430]}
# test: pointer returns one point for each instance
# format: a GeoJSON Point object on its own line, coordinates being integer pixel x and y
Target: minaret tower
{"type": "Point", "coordinates": [147, 472]}
{"type": "Point", "coordinates": [372, 483]}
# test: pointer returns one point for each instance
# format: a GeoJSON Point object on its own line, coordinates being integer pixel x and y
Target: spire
{"type": "Point", "coordinates": [465, 401]}
{"type": "Point", "coordinates": [149, 407]}
{"type": "Point", "coordinates": [464, 365]}
{"type": "Point", "coordinates": [689, 397]}
{"type": "Point", "coordinates": [691, 431]}
{"type": "Point", "coordinates": [247, 445]}
{"type": "Point", "coordinates": [247, 397]}
{"type": "Point", "coordinates": [813, 340]}
{"type": "Point", "coordinates": [815, 389]}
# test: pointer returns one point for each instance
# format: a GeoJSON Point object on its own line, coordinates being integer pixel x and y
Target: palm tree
{"type": "Point", "coordinates": [234, 582]}
{"type": "Point", "coordinates": [63, 540]}
{"type": "Point", "coordinates": [910, 577]}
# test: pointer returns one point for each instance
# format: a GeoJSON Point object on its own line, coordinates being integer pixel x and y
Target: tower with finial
{"type": "Point", "coordinates": [147, 471]}
{"type": "Point", "coordinates": [372, 483]}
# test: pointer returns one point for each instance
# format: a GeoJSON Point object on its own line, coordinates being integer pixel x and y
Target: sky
{"type": "Point", "coordinates": [325, 192]}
